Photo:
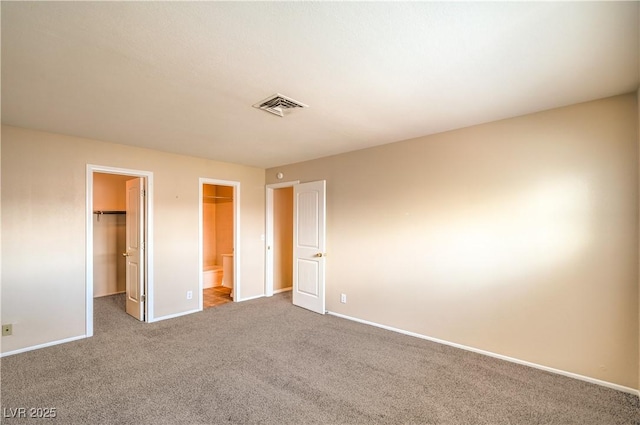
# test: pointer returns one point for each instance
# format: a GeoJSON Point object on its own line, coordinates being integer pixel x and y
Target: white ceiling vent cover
{"type": "Point", "coordinates": [278, 103]}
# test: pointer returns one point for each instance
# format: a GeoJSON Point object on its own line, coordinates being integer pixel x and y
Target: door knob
{"type": "Point", "coordinates": [320, 254]}
{"type": "Point", "coordinates": [126, 254]}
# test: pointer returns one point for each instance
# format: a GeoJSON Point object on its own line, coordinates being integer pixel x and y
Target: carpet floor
{"type": "Point", "coordinates": [268, 362]}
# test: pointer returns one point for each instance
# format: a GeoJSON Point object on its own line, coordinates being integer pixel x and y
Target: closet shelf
{"type": "Point", "coordinates": [218, 198]}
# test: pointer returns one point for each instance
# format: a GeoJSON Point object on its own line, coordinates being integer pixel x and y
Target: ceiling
{"type": "Point", "coordinates": [182, 76]}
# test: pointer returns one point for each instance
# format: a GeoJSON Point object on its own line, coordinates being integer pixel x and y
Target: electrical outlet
{"type": "Point", "coordinates": [343, 298]}
{"type": "Point", "coordinates": [7, 330]}
{"type": "Point", "coordinates": [189, 295]}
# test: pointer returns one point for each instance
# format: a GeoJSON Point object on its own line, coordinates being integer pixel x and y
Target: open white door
{"type": "Point", "coordinates": [135, 248]}
{"type": "Point", "coordinates": [309, 245]}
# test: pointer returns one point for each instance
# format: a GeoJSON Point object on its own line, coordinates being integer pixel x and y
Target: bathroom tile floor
{"type": "Point", "coordinates": [215, 296]}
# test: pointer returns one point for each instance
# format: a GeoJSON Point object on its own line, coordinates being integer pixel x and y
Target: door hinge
{"type": "Point", "coordinates": [144, 192]}
{"type": "Point", "coordinates": [143, 298]}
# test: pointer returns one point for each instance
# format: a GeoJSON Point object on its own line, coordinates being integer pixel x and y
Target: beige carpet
{"type": "Point", "coordinates": [268, 362]}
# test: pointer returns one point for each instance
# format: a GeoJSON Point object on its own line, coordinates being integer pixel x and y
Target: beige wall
{"type": "Point", "coordinates": [283, 238]}
{"type": "Point", "coordinates": [518, 237]}
{"type": "Point", "coordinates": [43, 220]}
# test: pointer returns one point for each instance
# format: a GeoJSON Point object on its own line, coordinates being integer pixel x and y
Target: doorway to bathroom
{"type": "Point", "coordinates": [218, 242]}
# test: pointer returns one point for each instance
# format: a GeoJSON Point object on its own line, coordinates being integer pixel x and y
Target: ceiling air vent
{"type": "Point", "coordinates": [278, 103]}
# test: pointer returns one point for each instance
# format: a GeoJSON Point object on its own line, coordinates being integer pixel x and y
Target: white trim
{"type": "Point", "coordinates": [46, 344]}
{"type": "Point", "coordinates": [89, 253]}
{"type": "Point", "coordinates": [277, 291]}
{"type": "Point", "coordinates": [268, 243]}
{"type": "Point", "coordinates": [200, 245]}
{"type": "Point", "coordinates": [255, 297]}
{"type": "Point", "coordinates": [283, 184]}
{"type": "Point", "coordinates": [495, 355]}
{"type": "Point", "coordinates": [148, 182]}
{"type": "Point", "coordinates": [174, 315]}
{"type": "Point", "coordinates": [237, 286]}
{"type": "Point", "coordinates": [269, 230]}
{"type": "Point", "coordinates": [149, 304]}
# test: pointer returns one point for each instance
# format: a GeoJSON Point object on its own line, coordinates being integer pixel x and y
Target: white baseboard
{"type": "Point", "coordinates": [250, 298]}
{"type": "Point", "coordinates": [283, 290]}
{"type": "Point", "coordinates": [184, 313]}
{"type": "Point", "coordinates": [46, 344]}
{"type": "Point", "coordinates": [173, 316]}
{"type": "Point", "coordinates": [495, 355]}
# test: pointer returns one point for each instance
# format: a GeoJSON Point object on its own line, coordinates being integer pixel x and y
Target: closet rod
{"type": "Point", "coordinates": [109, 212]}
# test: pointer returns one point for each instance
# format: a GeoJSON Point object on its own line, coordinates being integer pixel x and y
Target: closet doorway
{"type": "Point", "coordinates": [109, 225]}
{"type": "Point", "coordinates": [119, 241]}
{"type": "Point", "coordinates": [219, 281]}
{"type": "Point", "coordinates": [297, 218]}
{"type": "Point", "coordinates": [279, 261]}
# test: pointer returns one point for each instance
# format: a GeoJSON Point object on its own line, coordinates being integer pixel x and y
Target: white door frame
{"type": "Point", "coordinates": [237, 291]}
{"type": "Point", "coordinates": [269, 233]}
{"type": "Point", "coordinates": [148, 204]}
